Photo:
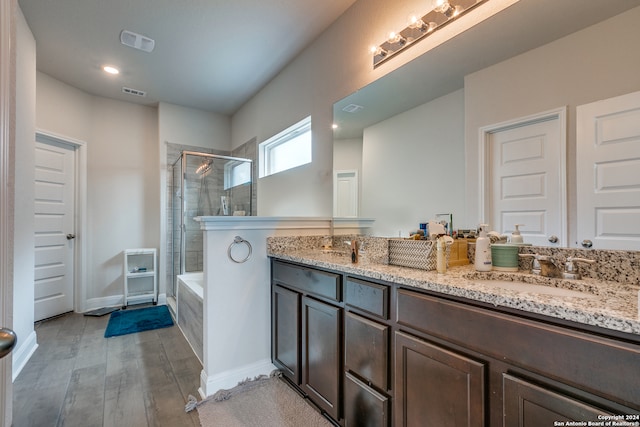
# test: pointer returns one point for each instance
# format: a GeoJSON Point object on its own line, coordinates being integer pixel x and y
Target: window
{"type": "Point", "coordinates": [286, 150]}
{"type": "Point", "coordinates": [236, 172]}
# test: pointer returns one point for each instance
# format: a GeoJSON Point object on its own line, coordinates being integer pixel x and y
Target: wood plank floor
{"type": "Point", "coordinates": [79, 378]}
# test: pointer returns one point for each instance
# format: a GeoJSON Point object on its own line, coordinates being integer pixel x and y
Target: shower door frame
{"type": "Point", "coordinates": [183, 208]}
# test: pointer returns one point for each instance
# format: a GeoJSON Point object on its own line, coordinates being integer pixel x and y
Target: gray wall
{"type": "Point", "coordinates": [413, 167]}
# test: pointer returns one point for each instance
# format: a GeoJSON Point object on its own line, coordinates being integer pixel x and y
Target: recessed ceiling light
{"type": "Point", "coordinates": [111, 70]}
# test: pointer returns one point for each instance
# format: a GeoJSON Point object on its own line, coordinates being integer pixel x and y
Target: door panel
{"type": "Point", "coordinates": [54, 220]}
{"type": "Point", "coordinates": [530, 405]}
{"type": "Point", "coordinates": [437, 387]}
{"type": "Point", "coordinates": [321, 354]}
{"type": "Point", "coordinates": [526, 179]}
{"type": "Point", "coordinates": [286, 332]}
{"type": "Point", "coordinates": [608, 177]}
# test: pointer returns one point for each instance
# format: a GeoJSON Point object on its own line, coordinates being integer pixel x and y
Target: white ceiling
{"type": "Point", "coordinates": [209, 54]}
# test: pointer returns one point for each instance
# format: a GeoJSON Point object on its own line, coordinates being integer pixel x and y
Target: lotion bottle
{"type": "Point", "coordinates": [483, 250]}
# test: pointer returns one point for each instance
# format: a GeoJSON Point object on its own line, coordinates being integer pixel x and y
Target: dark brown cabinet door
{"type": "Point", "coordinates": [530, 405]}
{"type": "Point", "coordinates": [286, 332]}
{"type": "Point", "coordinates": [321, 352]}
{"type": "Point", "coordinates": [367, 349]}
{"type": "Point", "coordinates": [363, 406]}
{"type": "Point", "coordinates": [436, 387]}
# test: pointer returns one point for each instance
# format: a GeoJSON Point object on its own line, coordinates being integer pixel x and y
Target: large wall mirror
{"type": "Point", "coordinates": [414, 135]}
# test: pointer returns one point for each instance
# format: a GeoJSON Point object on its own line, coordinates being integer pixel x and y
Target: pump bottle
{"type": "Point", "coordinates": [483, 250]}
{"type": "Point", "coordinates": [516, 237]}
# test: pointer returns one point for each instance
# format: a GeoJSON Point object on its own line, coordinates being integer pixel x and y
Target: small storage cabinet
{"type": "Point", "coordinates": [140, 276]}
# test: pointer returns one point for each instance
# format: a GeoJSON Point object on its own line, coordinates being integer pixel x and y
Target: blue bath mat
{"type": "Point", "coordinates": [143, 319]}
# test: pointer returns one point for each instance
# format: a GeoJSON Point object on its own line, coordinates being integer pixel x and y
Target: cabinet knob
{"type": "Point", "coordinates": [553, 239]}
{"type": "Point", "coordinates": [71, 236]}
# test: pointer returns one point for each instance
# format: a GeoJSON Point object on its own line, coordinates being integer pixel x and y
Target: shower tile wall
{"type": "Point", "coordinates": [193, 239]}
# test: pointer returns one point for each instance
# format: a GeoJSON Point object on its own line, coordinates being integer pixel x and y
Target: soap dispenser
{"type": "Point", "coordinates": [516, 237]}
{"type": "Point", "coordinates": [483, 250]}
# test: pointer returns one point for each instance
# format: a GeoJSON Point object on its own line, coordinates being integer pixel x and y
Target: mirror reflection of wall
{"type": "Point", "coordinates": [426, 160]}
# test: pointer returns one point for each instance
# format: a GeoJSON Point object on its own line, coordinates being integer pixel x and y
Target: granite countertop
{"type": "Point", "coordinates": [605, 304]}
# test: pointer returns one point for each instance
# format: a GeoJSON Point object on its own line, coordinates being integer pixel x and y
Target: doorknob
{"type": "Point", "coordinates": [587, 243]}
{"type": "Point", "coordinates": [71, 236]}
{"type": "Point", "coordinates": [8, 340]}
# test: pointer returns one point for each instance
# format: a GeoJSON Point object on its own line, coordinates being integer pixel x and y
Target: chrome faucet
{"type": "Point", "coordinates": [571, 269]}
{"type": "Point", "coordinates": [543, 265]}
{"type": "Point", "coordinates": [547, 266]}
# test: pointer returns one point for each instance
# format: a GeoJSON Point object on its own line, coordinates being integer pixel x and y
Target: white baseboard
{"type": "Point", "coordinates": [111, 301]}
{"type": "Point", "coordinates": [115, 301]}
{"type": "Point", "coordinates": [229, 379]}
{"type": "Point", "coordinates": [23, 353]}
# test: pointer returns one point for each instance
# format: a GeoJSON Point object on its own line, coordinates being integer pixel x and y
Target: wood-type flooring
{"type": "Point", "coordinates": [78, 378]}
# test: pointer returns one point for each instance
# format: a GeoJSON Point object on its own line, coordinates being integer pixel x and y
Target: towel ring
{"type": "Point", "coordinates": [236, 241]}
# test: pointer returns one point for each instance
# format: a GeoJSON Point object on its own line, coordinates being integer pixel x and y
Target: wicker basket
{"type": "Point", "coordinates": [414, 253]}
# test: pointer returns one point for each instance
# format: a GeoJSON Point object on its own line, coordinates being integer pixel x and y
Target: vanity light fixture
{"type": "Point", "coordinates": [442, 12]}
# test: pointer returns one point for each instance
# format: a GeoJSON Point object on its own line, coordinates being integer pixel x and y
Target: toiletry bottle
{"type": "Point", "coordinates": [516, 237]}
{"type": "Point", "coordinates": [441, 255]}
{"type": "Point", "coordinates": [483, 250]}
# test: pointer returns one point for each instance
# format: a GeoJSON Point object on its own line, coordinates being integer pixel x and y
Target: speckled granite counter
{"type": "Point", "coordinates": [605, 304]}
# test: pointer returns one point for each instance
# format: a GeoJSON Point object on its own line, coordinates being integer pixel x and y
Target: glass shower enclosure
{"type": "Point", "coordinates": [204, 185]}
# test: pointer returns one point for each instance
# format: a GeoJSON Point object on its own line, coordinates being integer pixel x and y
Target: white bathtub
{"type": "Point", "coordinates": [189, 309]}
{"type": "Point", "coordinates": [193, 281]}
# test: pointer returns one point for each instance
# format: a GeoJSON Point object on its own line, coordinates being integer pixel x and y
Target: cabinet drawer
{"type": "Point", "coordinates": [370, 297]}
{"type": "Point", "coordinates": [367, 349]}
{"type": "Point", "coordinates": [363, 405]}
{"type": "Point", "coordinates": [308, 280]}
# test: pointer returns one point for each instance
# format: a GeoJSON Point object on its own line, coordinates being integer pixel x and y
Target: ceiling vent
{"type": "Point", "coordinates": [352, 108]}
{"type": "Point", "coordinates": [137, 41]}
{"type": "Point", "coordinates": [135, 92]}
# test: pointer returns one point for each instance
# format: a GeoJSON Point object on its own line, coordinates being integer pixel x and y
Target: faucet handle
{"type": "Point", "coordinates": [535, 266]}
{"type": "Point", "coordinates": [571, 270]}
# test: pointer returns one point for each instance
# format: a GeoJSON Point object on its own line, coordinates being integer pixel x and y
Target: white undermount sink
{"type": "Point", "coordinates": [533, 288]}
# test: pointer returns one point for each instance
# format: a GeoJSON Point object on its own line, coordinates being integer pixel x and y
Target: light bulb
{"type": "Point", "coordinates": [417, 24]}
{"type": "Point", "coordinates": [396, 38]}
{"type": "Point", "coordinates": [378, 51]}
{"type": "Point", "coordinates": [445, 8]}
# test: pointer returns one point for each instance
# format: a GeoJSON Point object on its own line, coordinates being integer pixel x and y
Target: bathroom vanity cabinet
{"type": "Point", "coordinates": [307, 332]}
{"type": "Point", "coordinates": [374, 353]}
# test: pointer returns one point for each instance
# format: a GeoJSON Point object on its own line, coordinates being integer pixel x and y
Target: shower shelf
{"type": "Point", "coordinates": [140, 276]}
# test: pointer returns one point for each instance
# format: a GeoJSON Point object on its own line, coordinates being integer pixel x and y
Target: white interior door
{"type": "Point", "coordinates": [54, 228]}
{"type": "Point", "coordinates": [345, 194]}
{"type": "Point", "coordinates": [608, 173]}
{"type": "Point", "coordinates": [526, 178]}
